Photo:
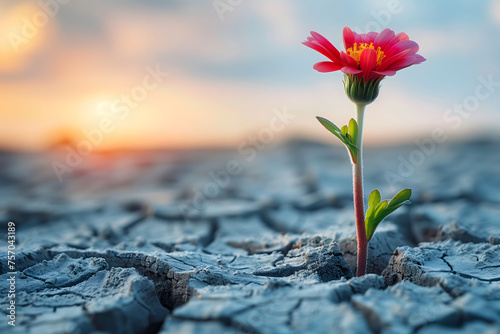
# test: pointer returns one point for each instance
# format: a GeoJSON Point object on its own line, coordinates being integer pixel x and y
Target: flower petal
{"type": "Point", "coordinates": [348, 60]}
{"type": "Point", "coordinates": [367, 61]}
{"type": "Point", "coordinates": [321, 49]}
{"type": "Point", "coordinates": [406, 62]}
{"type": "Point", "coordinates": [385, 36]}
{"type": "Point", "coordinates": [402, 46]}
{"type": "Point", "coordinates": [419, 59]}
{"type": "Point", "coordinates": [358, 38]}
{"type": "Point", "coordinates": [384, 73]}
{"type": "Point", "coordinates": [402, 36]}
{"type": "Point", "coordinates": [326, 66]}
{"type": "Point", "coordinates": [327, 45]}
{"type": "Point", "coordinates": [350, 70]}
{"type": "Point", "coordinates": [389, 60]}
{"type": "Point", "coordinates": [370, 37]}
{"type": "Point", "coordinates": [396, 39]}
{"type": "Point", "coordinates": [348, 38]}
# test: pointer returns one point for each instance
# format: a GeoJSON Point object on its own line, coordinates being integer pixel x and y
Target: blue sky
{"type": "Point", "coordinates": [229, 70]}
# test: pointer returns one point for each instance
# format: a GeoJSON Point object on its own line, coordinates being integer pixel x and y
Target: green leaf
{"type": "Point", "coordinates": [378, 211]}
{"type": "Point", "coordinates": [353, 130]}
{"type": "Point", "coordinates": [328, 125]}
{"type": "Point", "coordinates": [372, 223]}
{"type": "Point", "coordinates": [344, 130]}
{"type": "Point", "coordinates": [353, 149]}
{"type": "Point", "coordinates": [369, 216]}
{"type": "Point", "coordinates": [401, 197]}
{"type": "Point", "coordinates": [373, 201]}
{"type": "Point", "coordinates": [374, 198]}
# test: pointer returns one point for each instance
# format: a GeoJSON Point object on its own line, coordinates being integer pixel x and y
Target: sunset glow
{"type": "Point", "coordinates": [62, 68]}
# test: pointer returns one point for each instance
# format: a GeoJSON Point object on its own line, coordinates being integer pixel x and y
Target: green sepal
{"type": "Point", "coordinates": [360, 91]}
{"type": "Point", "coordinates": [378, 211]}
{"type": "Point", "coordinates": [343, 135]}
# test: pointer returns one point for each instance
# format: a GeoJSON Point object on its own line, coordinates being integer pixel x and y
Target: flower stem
{"type": "Point", "coordinates": [359, 211]}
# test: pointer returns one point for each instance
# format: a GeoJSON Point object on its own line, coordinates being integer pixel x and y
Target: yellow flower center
{"type": "Point", "coordinates": [355, 52]}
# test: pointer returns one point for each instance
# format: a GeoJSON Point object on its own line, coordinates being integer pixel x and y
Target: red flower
{"type": "Point", "coordinates": [369, 56]}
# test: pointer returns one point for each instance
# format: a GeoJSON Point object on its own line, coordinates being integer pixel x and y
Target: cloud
{"type": "Point", "coordinates": [447, 40]}
{"type": "Point", "coordinates": [27, 33]}
{"type": "Point", "coordinates": [281, 19]}
{"type": "Point", "coordinates": [494, 11]}
{"type": "Point", "coordinates": [149, 33]}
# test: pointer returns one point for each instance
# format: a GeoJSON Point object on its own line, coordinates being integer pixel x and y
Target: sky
{"type": "Point", "coordinates": [154, 74]}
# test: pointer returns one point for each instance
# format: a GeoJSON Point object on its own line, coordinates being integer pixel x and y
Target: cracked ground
{"type": "Point", "coordinates": [185, 242]}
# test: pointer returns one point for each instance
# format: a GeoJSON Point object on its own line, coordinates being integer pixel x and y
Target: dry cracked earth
{"type": "Point", "coordinates": [170, 242]}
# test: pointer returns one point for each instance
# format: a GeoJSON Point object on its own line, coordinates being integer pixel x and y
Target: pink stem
{"type": "Point", "coordinates": [359, 211]}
